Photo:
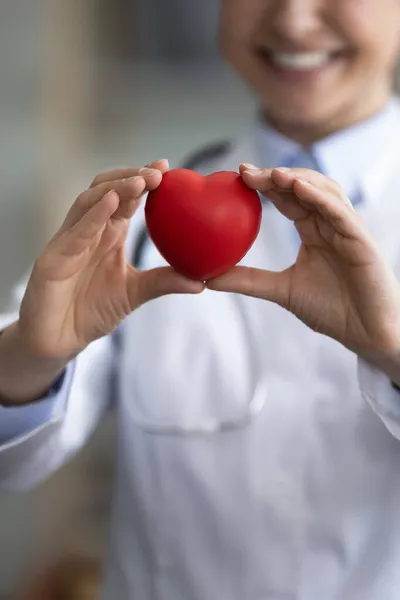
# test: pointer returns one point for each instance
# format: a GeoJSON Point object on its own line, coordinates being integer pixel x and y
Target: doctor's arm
{"type": "Point", "coordinates": [341, 284]}
{"type": "Point", "coordinates": [79, 292]}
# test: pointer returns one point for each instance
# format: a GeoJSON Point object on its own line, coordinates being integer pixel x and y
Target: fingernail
{"type": "Point", "coordinates": [249, 166]}
{"type": "Point", "coordinates": [282, 169]}
{"type": "Point", "coordinates": [147, 172]}
{"type": "Point", "coordinates": [156, 161]}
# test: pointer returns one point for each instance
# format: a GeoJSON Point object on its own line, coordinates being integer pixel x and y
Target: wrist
{"type": "Point", "coordinates": [25, 376]}
{"type": "Point", "coordinates": [19, 343]}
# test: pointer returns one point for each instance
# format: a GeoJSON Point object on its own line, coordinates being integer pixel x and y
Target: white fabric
{"type": "Point", "coordinates": [297, 501]}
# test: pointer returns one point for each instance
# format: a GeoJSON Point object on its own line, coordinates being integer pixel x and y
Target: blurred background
{"type": "Point", "coordinates": [87, 85]}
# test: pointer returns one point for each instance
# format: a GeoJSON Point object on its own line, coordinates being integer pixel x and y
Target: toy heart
{"type": "Point", "coordinates": [202, 226]}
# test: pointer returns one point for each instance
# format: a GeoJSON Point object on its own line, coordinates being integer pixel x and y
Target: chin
{"type": "Point", "coordinates": [304, 127]}
{"type": "Point", "coordinates": [293, 114]}
{"type": "Point", "coordinates": [290, 116]}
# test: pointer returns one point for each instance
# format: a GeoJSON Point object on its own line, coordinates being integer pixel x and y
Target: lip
{"type": "Point", "coordinates": [294, 75]}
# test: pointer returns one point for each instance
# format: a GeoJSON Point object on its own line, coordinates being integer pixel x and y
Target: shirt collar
{"type": "Point", "coordinates": [346, 156]}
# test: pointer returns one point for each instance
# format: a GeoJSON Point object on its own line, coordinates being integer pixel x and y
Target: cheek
{"type": "Point", "coordinates": [373, 29]}
{"type": "Point", "coordinates": [239, 19]}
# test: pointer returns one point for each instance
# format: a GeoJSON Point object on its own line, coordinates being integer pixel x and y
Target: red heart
{"type": "Point", "coordinates": [203, 226]}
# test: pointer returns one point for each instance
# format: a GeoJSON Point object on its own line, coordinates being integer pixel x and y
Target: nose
{"type": "Point", "coordinates": [296, 20]}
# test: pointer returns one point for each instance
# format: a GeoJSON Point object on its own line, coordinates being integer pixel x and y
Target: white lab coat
{"type": "Point", "coordinates": [296, 496]}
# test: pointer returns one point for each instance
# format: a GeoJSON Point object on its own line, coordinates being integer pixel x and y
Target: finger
{"type": "Point", "coordinates": [246, 167]}
{"type": "Point", "coordinates": [90, 226]}
{"type": "Point", "coordinates": [127, 189]}
{"type": "Point", "coordinates": [268, 285]}
{"type": "Point", "coordinates": [130, 188]}
{"type": "Point", "coordinates": [161, 165]}
{"type": "Point", "coordinates": [315, 231]}
{"type": "Point", "coordinates": [284, 200]}
{"type": "Point", "coordinates": [289, 205]}
{"type": "Point", "coordinates": [340, 215]}
{"type": "Point", "coordinates": [285, 178]}
{"type": "Point", "coordinates": [146, 179]}
{"type": "Point", "coordinates": [282, 178]}
{"type": "Point", "coordinates": [257, 179]}
{"type": "Point", "coordinates": [278, 186]}
{"type": "Point", "coordinates": [148, 285]}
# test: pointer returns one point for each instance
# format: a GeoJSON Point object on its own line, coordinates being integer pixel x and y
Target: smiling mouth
{"type": "Point", "coordinates": [301, 62]}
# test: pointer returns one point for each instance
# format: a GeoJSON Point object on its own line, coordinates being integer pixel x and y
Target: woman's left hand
{"type": "Point", "coordinates": [341, 284]}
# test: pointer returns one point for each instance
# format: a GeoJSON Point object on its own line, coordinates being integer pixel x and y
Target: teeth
{"type": "Point", "coordinates": [301, 61]}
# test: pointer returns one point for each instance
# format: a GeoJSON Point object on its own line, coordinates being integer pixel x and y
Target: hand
{"type": "Point", "coordinates": [341, 284]}
{"type": "Point", "coordinates": [82, 287]}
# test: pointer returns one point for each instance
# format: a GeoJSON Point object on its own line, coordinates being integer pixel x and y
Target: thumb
{"type": "Point", "coordinates": [268, 285]}
{"type": "Point", "coordinates": [148, 285]}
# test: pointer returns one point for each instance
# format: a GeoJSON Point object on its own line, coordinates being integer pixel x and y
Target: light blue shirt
{"type": "Point", "coordinates": [345, 156]}
{"type": "Point", "coordinates": [16, 421]}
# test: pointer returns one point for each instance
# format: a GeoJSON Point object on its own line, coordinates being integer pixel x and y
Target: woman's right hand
{"type": "Point", "coordinates": [82, 286]}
